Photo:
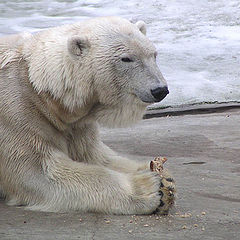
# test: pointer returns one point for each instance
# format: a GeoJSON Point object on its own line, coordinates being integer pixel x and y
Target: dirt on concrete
{"type": "Point", "coordinates": [203, 154]}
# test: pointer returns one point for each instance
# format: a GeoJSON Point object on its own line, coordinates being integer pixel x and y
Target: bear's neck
{"type": "Point", "coordinates": [123, 114]}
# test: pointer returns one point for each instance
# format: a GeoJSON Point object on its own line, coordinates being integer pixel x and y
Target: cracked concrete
{"type": "Point", "coordinates": [203, 154]}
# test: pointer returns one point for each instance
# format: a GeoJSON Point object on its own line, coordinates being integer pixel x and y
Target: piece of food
{"type": "Point", "coordinates": [156, 165]}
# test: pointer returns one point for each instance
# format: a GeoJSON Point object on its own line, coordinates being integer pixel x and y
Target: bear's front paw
{"type": "Point", "coordinates": [167, 187]}
{"type": "Point", "coordinates": [167, 191]}
{"type": "Point", "coordinates": [147, 196]}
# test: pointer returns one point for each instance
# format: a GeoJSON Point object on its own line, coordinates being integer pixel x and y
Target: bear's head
{"type": "Point", "coordinates": [123, 63]}
{"type": "Point", "coordinates": [106, 63]}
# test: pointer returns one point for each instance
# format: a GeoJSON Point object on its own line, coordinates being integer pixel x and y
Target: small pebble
{"type": "Point", "coordinates": [146, 225]}
{"type": "Point", "coordinates": [203, 213]}
{"type": "Point", "coordinates": [184, 227]}
{"type": "Point", "coordinates": [186, 215]}
{"type": "Point", "coordinates": [195, 225]}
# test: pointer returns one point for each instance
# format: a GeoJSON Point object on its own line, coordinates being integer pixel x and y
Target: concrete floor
{"type": "Point", "coordinates": [203, 154]}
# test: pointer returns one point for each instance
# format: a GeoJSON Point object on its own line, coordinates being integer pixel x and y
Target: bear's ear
{"type": "Point", "coordinates": [142, 27]}
{"type": "Point", "coordinates": [78, 46]}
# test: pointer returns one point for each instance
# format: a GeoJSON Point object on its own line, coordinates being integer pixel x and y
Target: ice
{"type": "Point", "coordinates": [198, 41]}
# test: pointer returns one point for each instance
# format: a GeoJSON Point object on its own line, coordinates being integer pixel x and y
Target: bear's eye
{"type": "Point", "coordinates": [126, 59]}
{"type": "Point", "coordinates": [155, 55]}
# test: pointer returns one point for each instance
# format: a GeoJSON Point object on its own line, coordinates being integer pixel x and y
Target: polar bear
{"type": "Point", "coordinates": [56, 86]}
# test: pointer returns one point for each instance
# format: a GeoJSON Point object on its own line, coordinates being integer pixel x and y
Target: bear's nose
{"type": "Point", "coordinates": [160, 93]}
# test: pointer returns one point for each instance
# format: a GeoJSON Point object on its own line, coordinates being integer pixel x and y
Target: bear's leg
{"type": "Point", "coordinates": [90, 149]}
{"type": "Point", "coordinates": [80, 186]}
{"type": "Point", "coordinates": [117, 163]}
{"type": "Point", "coordinates": [86, 146]}
{"type": "Point", "coordinates": [112, 160]}
{"type": "Point", "coordinates": [167, 186]}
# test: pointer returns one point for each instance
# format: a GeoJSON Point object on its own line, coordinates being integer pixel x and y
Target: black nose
{"type": "Point", "coordinates": [160, 93]}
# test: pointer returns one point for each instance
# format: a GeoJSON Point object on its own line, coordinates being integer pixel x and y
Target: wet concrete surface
{"type": "Point", "coordinates": [203, 154]}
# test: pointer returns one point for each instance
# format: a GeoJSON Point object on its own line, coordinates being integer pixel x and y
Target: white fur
{"type": "Point", "coordinates": [55, 87]}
